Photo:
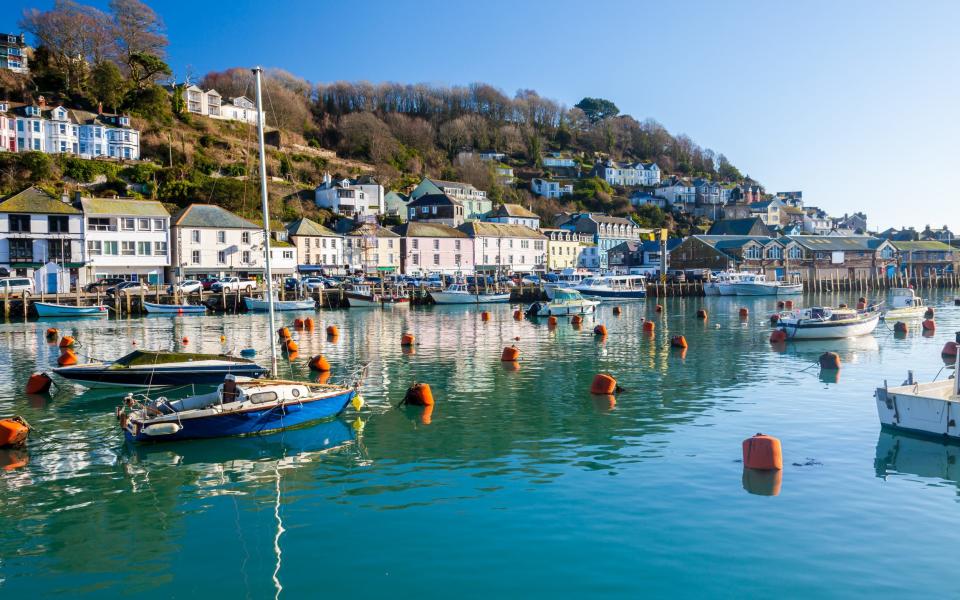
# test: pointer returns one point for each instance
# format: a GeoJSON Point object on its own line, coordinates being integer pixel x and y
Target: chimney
{"type": "Point", "coordinates": [77, 196]}
{"type": "Point", "coordinates": [65, 198]}
{"type": "Point", "coordinates": [99, 108]}
{"type": "Point", "coordinates": [42, 102]}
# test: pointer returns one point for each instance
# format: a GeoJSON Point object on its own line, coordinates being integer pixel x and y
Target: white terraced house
{"type": "Point", "coordinates": [317, 247]}
{"type": "Point", "coordinates": [59, 130]}
{"type": "Point", "coordinates": [627, 174]}
{"type": "Point", "coordinates": [13, 53]}
{"type": "Point", "coordinates": [126, 238]}
{"type": "Point", "coordinates": [502, 248]}
{"type": "Point", "coordinates": [550, 189]}
{"type": "Point", "coordinates": [209, 240]}
{"type": "Point", "coordinates": [8, 129]}
{"type": "Point", "coordinates": [209, 103]}
{"type": "Point", "coordinates": [354, 198]}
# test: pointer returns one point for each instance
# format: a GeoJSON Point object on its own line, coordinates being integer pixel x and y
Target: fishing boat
{"type": "Point", "coordinates": [261, 305]}
{"type": "Point", "coordinates": [712, 287]}
{"type": "Point", "coordinates": [174, 309]}
{"type": "Point", "coordinates": [789, 289]}
{"type": "Point", "coordinates": [927, 408]}
{"type": "Point", "coordinates": [459, 293]}
{"type": "Point", "coordinates": [240, 405]}
{"type": "Point", "coordinates": [568, 278]}
{"type": "Point", "coordinates": [144, 368]}
{"type": "Point", "coordinates": [904, 304]}
{"type": "Point", "coordinates": [364, 295]}
{"type": "Point", "coordinates": [565, 301]}
{"type": "Point", "coordinates": [49, 309]}
{"type": "Point", "coordinates": [614, 287]}
{"type": "Point", "coordinates": [727, 281]}
{"type": "Point", "coordinates": [757, 284]}
{"type": "Point", "coordinates": [828, 323]}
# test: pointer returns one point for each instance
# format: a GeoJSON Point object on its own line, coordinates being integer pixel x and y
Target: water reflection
{"type": "Point", "coordinates": [901, 453]}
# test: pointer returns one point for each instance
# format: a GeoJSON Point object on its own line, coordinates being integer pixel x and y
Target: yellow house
{"type": "Point", "coordinates": [563, 248]}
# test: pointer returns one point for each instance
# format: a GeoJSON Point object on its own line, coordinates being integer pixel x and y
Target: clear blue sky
{"type": "Point", "coordinates": [854, 102]}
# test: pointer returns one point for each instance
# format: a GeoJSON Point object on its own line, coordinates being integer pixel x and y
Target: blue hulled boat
{"type": "Point", "coordinates": [49, 309]}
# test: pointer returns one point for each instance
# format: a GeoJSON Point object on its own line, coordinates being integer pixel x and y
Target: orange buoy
{"type": "Point", "coordinates": [678, 341]}
{"type": "Point", "coordinates": [900, 327]}
{"type": "Point", "coordinates": [778, 337]}
{"type": "Point", "coordinates": [788, 304]}
{"type": "Point", "coordinates": [551, 321]}
{"type": "Point", "coordinates": [298, 323]}
{"type": "Point", "coordinates": [323, 377]}
{"type": "Point", "coordinates": [829, 360]}
{"type": "Point", "coordinates": [702, 313]}
{"type": "Point", "coordinates": [658, 308]}
{"type": "Point", "coordinates": [762, 452]}
{"type": "Point", "coordinates": [52, 334]}
{"type": "Point", "coordinates": [67, 341]}
{"type": "Point", "coordinates": [67, 358]}
{"type": "Point", "coordinates": [332, 331]}
{"type": "Point", "coordinates": [929, 324]}
{"type": "Point", "coordinates": [781, 304]}
{"type": "Point", "coordinates": [518, 315]}
{"type": "Point", "coordinates": [38, 383]}
{"type": "Point", "coordinates": [419, 394]}
{"type": "Point", "coordinates": [774, 319]}
{"type": "Point", "coordinates": [292, 354]}
{"type": "Point", "coordinates": [616, 310]}
{"type": "Point", "coordinates": [308, 324]}
{"type": "Point", "coordinates": [320, 363]}
{"type": "Point", "coordinates": [600, 330]}
{"type": "Point", "coordinates": [648, 326]}
{"type": "Point", "coordinates": [13, 432]}
{"type": "Point", "coordinates": [291, 346]}
{"type": "Point", "coordinates": [949, 349]}
{"type": "Point", "coordinates": [284, 333]}
{"type": "Point", "coordinates": [485, 316]}
{"type": "Point", "coordinates": [576, 321]}
{"type": "Point", "coordinates": [223, 339]}
{"type": "Point", "coordinates": [510, 354]}
{"type": "Point", "coordinates": [407, 339]}
{"type": "Point", "coordinates": [861, 299]}
{"type": "Point", "coordinates": [929, 313]}
{"type": "Point", "coordinates": [744, 313]}
{"type": "Point", "coordinates": [603, 384]}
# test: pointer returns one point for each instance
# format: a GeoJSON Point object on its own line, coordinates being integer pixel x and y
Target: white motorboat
{"type": "Point", "coordinates": [789, 289]}
{"type": "Point", "coordinates": [364, 295]}
{"type": "Point", "coordinates": [614, 287]}
{"type": "Point", "coordinates": [827, 323]}
{"type": "Point", "coordinates": [712, 287]}
{"type": "Point", "coordinates": [565, 302]}
{"type": "Point", "coordinates": [459, 293]}
{"type": "Point", "coordinates": [904, 304]}
{"type": "Point", "coordinates": [260, 304]}
{"type": "Point", "coordinates": [929, 408]}
{"type": "Point", "coordinates": [568, 278]}
{"type": "Point", "coordinates": [727, 281]}
{"type": "Point", "coordinates": [757, 284]}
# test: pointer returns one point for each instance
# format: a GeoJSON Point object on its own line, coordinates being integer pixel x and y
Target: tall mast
{"type": "Point", "coordinates": [257, 71]}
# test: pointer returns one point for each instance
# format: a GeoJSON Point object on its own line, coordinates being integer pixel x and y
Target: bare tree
{"type": "Point", "coordinates": [73, 34]}
{"type": "Point", "coordinates": [137, 30]}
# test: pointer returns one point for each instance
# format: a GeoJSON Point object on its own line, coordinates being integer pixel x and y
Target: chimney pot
{"type": "Point", "coordinates": [77, 195]}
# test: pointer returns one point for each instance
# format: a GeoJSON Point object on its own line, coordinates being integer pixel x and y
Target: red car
{"type": "Point", "coordinates": [207, 282]}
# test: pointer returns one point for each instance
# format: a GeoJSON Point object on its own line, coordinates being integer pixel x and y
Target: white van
{"type": "Point", "coordinates": [15, 285]}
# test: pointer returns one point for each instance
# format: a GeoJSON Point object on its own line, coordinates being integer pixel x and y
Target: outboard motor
{"type": "Point", "coordinates": [534, 310]}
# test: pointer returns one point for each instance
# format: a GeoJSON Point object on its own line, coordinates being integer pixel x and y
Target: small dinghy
{"type": "Point", "coordinates": [173, 309]}
{"type": "Point", "coordinates": [49, 309]}
{"type": "Point", "coordinates": [928, 408]}
{"type": "Point", "coordinates": [904, 304]}
{"type": "Point", "coordinates": [259, 304]}
{"type": "Point", "coordinates": [459, 293]}
{"type": "Point", "coordinates": [828, 323]}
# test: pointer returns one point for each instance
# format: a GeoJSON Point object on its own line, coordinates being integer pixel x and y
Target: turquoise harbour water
{"type": "Point", "coordinates": [519, 484]}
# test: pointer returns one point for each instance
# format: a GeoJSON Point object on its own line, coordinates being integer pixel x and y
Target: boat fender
{"type": "Point", "coordinates": [298, 323]}
{"type": "Point", "coordinates": [308, 324]}
{"type": "Point", "coordinates": [861, 305]}
{"type": "Point", "coordinates": [291, 346]}
{"type": "Point", "coordinates": [185, 340]}
{"type": "Point", "coordinates": [788, 304]}
{"type": "Point", "coordinates": [160, 429]}
{"type": "Point", "coordinates": [39, 383]}
{"type": "Point", "coordinates": [829, 361]}
{"type": "Point", "coordinates": [762, 452]}
{"type": "Point", "coordinates": [357, 402]}
{"type": "Point", "coordinates": [284, 333]}
{"type": "Point", "coordinates": [248, 352]}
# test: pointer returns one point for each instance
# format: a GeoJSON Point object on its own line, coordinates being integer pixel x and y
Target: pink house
{"type": "Point", "coordinates": [8, 126]}
{"type": "Point", "coordinates": [434, 248]}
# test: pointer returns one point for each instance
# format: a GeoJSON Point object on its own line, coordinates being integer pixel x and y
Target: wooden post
{"type": "Point", "coordinates": [26, 305]}
{"type": "Point", "coordinates": [127, 294]}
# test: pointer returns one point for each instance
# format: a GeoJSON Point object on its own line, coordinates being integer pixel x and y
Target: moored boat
{"type": "Point", "coordinates": [49, 309]}
{"type": "Point", "coordinates": [755, 284]}
{"type": "Point", "coordinates": [259, 304]}
{"type": "Point", "coordinates": [143, 368]}
{"type": "Point", "coordinates": [614, 287]}
{"type": "Point", "coordinates": [568, 278]}
{"type": "Point", "coordinates": [364, 295]}
{"type": "Point", "coordinates": [828, 323]}
{"type": "Point", "coordinates": [565, 302]}
{"type": "Point", "coordinates": [927, 408]}
{"type": "Point", "coordinates": [904, 304]}
{"type": "Point", "coordinates": [726, 282]}
{"type": "Point", "coordinates": [175, 309]}
{"type": "Point", "coordinates": [459, 293]}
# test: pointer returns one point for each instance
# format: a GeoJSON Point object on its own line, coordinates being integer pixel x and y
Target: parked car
{"type": "Point", "coordinates": [128, 287]}
{"type": "Point", "coordinates": [312, 284]}
{"type": "Point", "coordinates": [102, 284]}
{"type": "Point", "coordinates": [207, 282]}
{"type": "Point", "coordinates": [15, 285]}
{"type": "Point", "coordinates": [531, 280]}
{"type": "Point", "coordinates": [290, 284]}
{"type": "Point", "coordinates": [676, 277]}
{"type": "Point", "coordinates": [190, 286]}
{"type": "Point", "coordinates": [234, 284]}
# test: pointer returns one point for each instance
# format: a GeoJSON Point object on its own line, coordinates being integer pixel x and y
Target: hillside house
{"type": "Point", "coordinates": [474, 202]}
{"type": "Point", "coordinates": [514, 214]}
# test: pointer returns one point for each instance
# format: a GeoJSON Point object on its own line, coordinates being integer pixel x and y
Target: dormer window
{"type": "Point", "coordinates": [4, 107]}
{"type": "Point", "coordinates": [125, 121]}
{"type": "Point", "coordinates": [33, 111]}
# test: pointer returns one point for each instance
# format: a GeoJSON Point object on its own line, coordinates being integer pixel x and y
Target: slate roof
{"type": "Point", "coordinates": [433, 200]}
{"type": "Point", "coordinates": [208, 215]}
{"type": "Point", "coordinates": [432, 230]}
{"type": "Point", "coordinates": [748, 226]}
{"type": "Point", "coordinates": [513, 210]}
{"type": "Point", "coordinates": [33, 200]}
{"type": "Point", "coordinates": [836, 243]}
{"type": "Point", "coordinates": [305, 226]}
{"type": "Point", "coordinates": [729, 242]}
{"type": "Point", "coordinates": [480, 229]}
{"type": "Point", "coordinates": [123, 207]}
{"type": "Point", "coordinates": [442, 183]}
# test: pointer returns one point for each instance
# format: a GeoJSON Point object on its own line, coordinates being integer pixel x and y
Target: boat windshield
{"type": "Point", "coordinates": [565, 294]}
{"type": "Point", "coordinates": [139, 358]}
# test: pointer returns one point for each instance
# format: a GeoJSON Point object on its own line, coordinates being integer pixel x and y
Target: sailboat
{"type": "Point", "coordinates": [240, 405]}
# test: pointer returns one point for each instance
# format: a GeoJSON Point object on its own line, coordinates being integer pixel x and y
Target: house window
{"type": "Point", "coordinates": [195, 257]}
{"type": "Point", "coordinates": [195, 236]}
{"type": "Point", "coordinates": [20, 223]}
{"type": "Point", "coordinates": [158, 225]}
{"type": "Point", "coordinates": [59, 250]}
{"type": "Point", "coordinates": [160, 248]}
{"type": "Point", "coordinates": [245, 237]}
{"type": "Point", "coordinates": [129, 248]}
{"type": "Point", "coordinates": [110, 248]}
{"type": "Point", "coordinates": [246, 256]}
{"type": "Point", "coordinates": [436, 244]}
{"type": "Point", "coordinates": [144, 248]}
{"type": "Point", "coordinates": [416, 243]}
{"type": "Point", "coordinates": [320, 260]}
{"type": "Point", "coordinates": [58, 224]}
{"type": "Point", "coordinates": [775, 252]}
{"type": "Point", "coordinates": [288, 254]}
{"type": "Point", "coordinates": [754, 252]}
{"type": "Point", "coordinates": [456, 244]}
{"type": "Point", "coordinates": [415, 259]}
{"type": "Point", "coordinates": [436, 259]}
{"type": "Point", "coordinates": [127, 224]}
{"type": "Point", "coordinates": [21, 250]}
{"type": "Point", "coordinates": [886, 252]}
{"type": "Point", "coordinates": [221, 257]}
{"type": "Point", "coordinates": [221, 237]}
{"type": "Point", "coordinates": [389, 243]}
{"type": "Point", "coordinates": [795, 253]}
{"type": "Point", "coordinates": [100, 224]}
{"type": "Point", "coordinates": [306, 243]}
{"type": "Point", "coordinates": [143, 224]}
{"type": "Point", "coordinates": [456, 259]}
{"type": "Point", "coordinates": [94, 248]}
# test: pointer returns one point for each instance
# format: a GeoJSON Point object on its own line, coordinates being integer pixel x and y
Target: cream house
{"type": "Point", "coordinates": [317, 247]}
{"type": "Point", "coordinates": [126, 238]}
{"type": "Point", "coordinates": [209, 240]}
{"type": "Point", "coordinates": [369, 248]}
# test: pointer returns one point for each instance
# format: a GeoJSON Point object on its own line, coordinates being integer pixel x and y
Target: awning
{"type": "Point", "coordinates": [386, 269]}
{"type": "Point", "coordinates": [25, 265]}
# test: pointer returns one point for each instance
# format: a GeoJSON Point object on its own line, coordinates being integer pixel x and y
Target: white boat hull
{"type": "Point", "coordinates": [828, 330]}
{"type": "Point", "coordinates": [755, 289]}
{"type": "Point", "coordinates": [929, 408]}
{"type": "Point", "coordinates": [914, 312]}
{"type": "Point", "coordinates": [727, 289]}
{"type": "Point", "coordinates": [789, 289]}
{"type": "Point", "coordinates": [711, 289]}
{"type": "Point", "coordinates": [467, 298]}
{"type": "Point", "coordinates": [256, 304]}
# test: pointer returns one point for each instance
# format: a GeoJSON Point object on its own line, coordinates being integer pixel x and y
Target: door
{"type": "Point", "coordinates": [52, 283]}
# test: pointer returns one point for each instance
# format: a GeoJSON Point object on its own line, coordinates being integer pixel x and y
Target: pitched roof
{"type": "Point", "coordinates": [433, 200]}
{"type": "Point", "coordinates": [513, 210]}
{"type": "Point", "coordinates": [432, 230]}
{"type": "Point", "coordinates": [748, 226]}
{"type": "Point", "coordinates": [305, 226]}
{"type": "Point", "coordinates": [123, 207]}
{"type": "Point", "coordinates": [350, 227]}
{"type": "Point", "coordinates": [442, 183]}
{"type": "Point", "coordinates": [832, 243]}
{"type": "Point", "coordinates": [33, 200]}
{"type": "Point", "coordinates": [923, 245]}
{"type": "Point", "coordinates": [209, 215]}
{"type": "Point", "coordinates": [727, 242]}
{"type": "Point", "coordinates": [482, 229]}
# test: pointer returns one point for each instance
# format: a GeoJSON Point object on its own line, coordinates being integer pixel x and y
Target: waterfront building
{"type": "Point", "coordinates": [474, 202]}
{"type": "Point", "coordinates": [549, 188]}
{"type": "Point", "coordinates": [368, 247]}
{"type": "Point", "coordinates": [317, 247]}
{"type": "Point", "coordinates": [842, 257]}
{"type": "Point", "coordinates": [502, 248]}
{"type": "Point", "coordinates": [604, 231]}
{"type": "Point", "coordinates": [209, 240]}
{"type": "Point", "coordinates": [436, 208]}
{"type": "Point", "coordinates": [36, 229]}
{"type": "Point", "coordinates": [564, 248]}
{"type": "Point", "coordinates": [514, 214]}
{"type": "Point", "coordinates": [434, 248]}
{"type": "Point", "coordinates": [627, 174]}
{"type": "Point", "coordinates": [639, 255]}
{"type": "Point", "coordinates": [126, 238]}
{"type": "Point", "coordinates": [283, 259]}
{"type": "Point", "coordinates": [927, 257]}
{"type": "Point", "coordinates": [353, 198]}
{"type": "Point", "coordinates": [13, 53]}
{"type": "Point", "coordinates": [744, 252]}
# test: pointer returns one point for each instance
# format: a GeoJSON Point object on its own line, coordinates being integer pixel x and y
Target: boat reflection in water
{"type": "Point", "coordinates": [901, 453]}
